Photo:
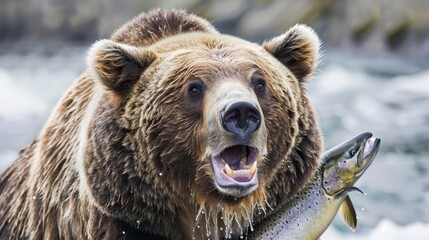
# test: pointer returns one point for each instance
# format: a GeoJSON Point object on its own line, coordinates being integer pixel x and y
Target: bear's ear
{"type": "Point", "coordinates": [297, 49]}
{"type": "Point", "coordinates": [118, 66]}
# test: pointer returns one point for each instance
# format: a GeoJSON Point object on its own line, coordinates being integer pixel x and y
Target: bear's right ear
{"type": "Point", "coordinates": [118, 66]}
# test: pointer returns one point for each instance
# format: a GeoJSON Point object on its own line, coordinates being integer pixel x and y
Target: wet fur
{"type": "Point", "coordinates": [94, 171]}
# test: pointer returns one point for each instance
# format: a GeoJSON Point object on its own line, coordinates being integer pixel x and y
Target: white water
{"type": "Point", "coordinates": [386, 229]}
{"type": "Point", "coordinates": [23, 103]}
{"type": "Point", "coordinates": [352, 93]}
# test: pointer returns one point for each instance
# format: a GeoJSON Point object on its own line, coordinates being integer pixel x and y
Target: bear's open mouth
{"type": "Point", "coordinates": [235, 167]}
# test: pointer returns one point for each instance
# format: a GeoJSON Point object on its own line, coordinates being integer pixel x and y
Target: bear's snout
{"type": "Point", "coordinates": [241, 118]}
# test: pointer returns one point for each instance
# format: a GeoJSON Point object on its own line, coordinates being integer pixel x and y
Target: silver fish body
{"type": "Point", "coordinates": [314, 208]}
{"type": "Point", "coordinates": [307, 217]}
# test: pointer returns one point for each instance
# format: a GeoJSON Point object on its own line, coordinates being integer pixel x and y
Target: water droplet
{"type": "Point", "coordinates": [241, 237]}
{"type": "Point", "coordinates": [365, 194]}
{"type": "Point", "coordinates": [221, 228]}
{"type": "Point", "coordinates": [34, 197]}
{"type": "Point", "coordinates": [198, 226]}
{"type": "Point", "coordinates": [363, 209]}
{"type": "Point", "coordinates": [160, 174]}
{"type": "Point", "coordinates": [123, 232]}
{"type": "Point", "coordinates": [138, 224]}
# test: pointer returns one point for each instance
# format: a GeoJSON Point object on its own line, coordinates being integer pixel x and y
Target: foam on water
{"type": "Point", "coordinates": [17, 102]}
{"type": "Point", "coordinates": [385, 230]}
{"type": "Point", "coordinates": [349, 101]}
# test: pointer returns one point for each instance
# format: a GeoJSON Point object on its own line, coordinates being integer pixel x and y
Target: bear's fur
{"type": "Point", "coordinates": [128, 151]}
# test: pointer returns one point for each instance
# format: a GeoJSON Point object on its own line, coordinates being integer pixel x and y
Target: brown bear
{"type": "Point", "coordinates": [175, 131]}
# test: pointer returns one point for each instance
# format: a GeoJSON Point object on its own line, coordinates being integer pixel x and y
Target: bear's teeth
{"type": "Point", "coordinates": [252, 169]}
{"type": "Point", "coordinates": [229, 171]}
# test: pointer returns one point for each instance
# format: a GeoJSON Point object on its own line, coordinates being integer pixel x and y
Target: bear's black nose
{"type": "Point", "coordinates": [241, 118]}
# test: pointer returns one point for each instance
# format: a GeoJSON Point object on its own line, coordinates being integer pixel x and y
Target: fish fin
{"type": "Point", "coordinates": [348, 213]}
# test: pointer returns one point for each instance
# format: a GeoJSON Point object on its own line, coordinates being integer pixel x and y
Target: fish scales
{"type": "Point", "coordinates": [314, 208]}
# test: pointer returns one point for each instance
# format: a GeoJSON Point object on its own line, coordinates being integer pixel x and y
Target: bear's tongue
{"type": "Point", "coordinates": [240, 162]}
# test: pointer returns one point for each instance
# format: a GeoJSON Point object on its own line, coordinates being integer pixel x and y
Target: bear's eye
{"type": "Point", "coordinates": [260, 87]}
{"type": "Point", "coordinates": [196, 89]}
{"type": "Point", "coordinates": [258, 84]}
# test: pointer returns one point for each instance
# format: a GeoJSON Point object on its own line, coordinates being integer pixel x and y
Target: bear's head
{"type": "Point", "coordinates": [201, 122]}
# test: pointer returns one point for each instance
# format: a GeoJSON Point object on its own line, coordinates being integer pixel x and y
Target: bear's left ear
{"type": "Point", "coordinates": [118, 66]}
{"type": "Point", "coordinates": [297, 49]}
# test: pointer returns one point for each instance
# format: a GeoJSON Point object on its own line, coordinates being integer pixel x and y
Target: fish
{"type": "Point", "coordinates": [313, 209]}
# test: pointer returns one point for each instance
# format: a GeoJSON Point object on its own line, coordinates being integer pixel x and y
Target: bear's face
{"type": "Point", "coordinates": [206, 115]}
{"type": "Point", "coordinates": [221, 95]}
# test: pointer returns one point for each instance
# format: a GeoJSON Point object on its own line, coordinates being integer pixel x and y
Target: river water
{"type": "Point", "coordinates": [352, 93]}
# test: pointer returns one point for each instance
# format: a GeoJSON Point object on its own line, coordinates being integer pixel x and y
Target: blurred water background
{"type": "Point", "coordinates": [374, 77]}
